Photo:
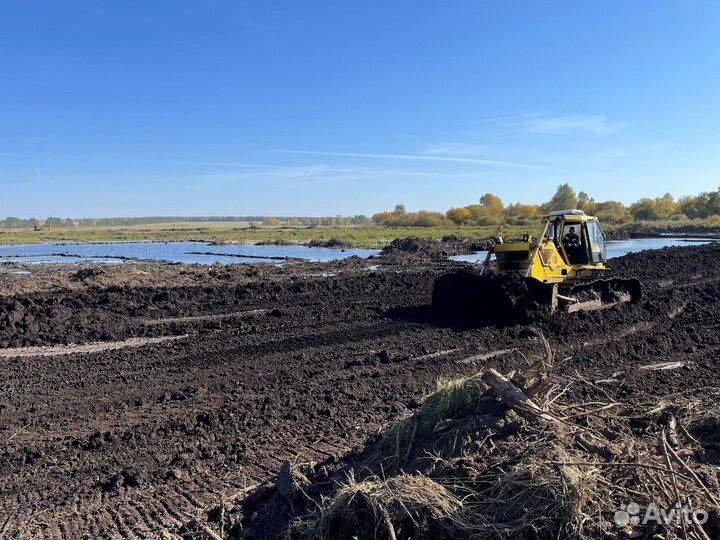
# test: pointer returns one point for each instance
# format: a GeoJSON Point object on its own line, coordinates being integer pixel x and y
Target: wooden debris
{"type": "Point", "coordinates": [484, 356]}
{"type": "Point", "coordinates": [511, 395]}
{"type": "Point", "coordinates": [662, 366]}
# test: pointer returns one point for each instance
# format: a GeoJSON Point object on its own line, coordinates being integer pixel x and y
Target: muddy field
{"type": "Point", "coordinates": [135, 398]}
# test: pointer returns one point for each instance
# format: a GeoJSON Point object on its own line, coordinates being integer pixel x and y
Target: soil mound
{"type": "Point", "coordinates": [670, 263]}
{"type": "Point", "coordinates": [465, 298]}
{"type": "Point", "coordinates": [648, 230]}
{"type": "Point", "coordinates": [335, 243]}
{"type": "Point", "coordinates": [92, 313]}
{"type": "Point", "coordinates": [424, 249]}
{"type": "Point", "coordinates": [416, 248]}
{"type": "Point", "coordinates": [86, 274]}
{"type": "Point", "coordinates": [490, 455]}
{"type": "Point", "coordinates": [276, 242]}
{"type": "Point", "coordinates": [461, 245]}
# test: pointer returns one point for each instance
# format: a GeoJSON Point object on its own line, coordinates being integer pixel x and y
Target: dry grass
{"type": "Point", "coordinates": [362, 236]}
{"type": "Point", "coordinates": [531, 499]}
{"type": "Point", "coordinates": [452, 398]}
{"type": "Point", "coordinates": [562, 474]}
{"type": "Point", "coordinates": [523, 500]}
{"type": "Point", "coordinates": [404, 506]}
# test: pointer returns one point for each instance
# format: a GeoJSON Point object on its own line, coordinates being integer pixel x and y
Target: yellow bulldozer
{"type": "Point", "coordinates": [559, 270]}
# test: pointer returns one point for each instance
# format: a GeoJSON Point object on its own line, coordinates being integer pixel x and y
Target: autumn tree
{"type": "Point", "coordinates": [611, 212]}
{"type": "Point", "coordinates": [652, 209]}
{"type": "Point", "coordinates": [459, 216]}
{"type": "Point", "coordinates": [490, 211]}
{"type": "Point", "coordinates": [382, 217]}
{"type": "Point", "coordinates": [564, 199]}
{"type": "Point", "coordinates": [423, 218]}
{"type": "Point", "coordinates": [493, 204]}
{"type": "Point", "coordinates": [585, 203]}
{"type": "Point", "coordinates": [666, 207]}
{"type": "Point", "coordinates": [522, 211]}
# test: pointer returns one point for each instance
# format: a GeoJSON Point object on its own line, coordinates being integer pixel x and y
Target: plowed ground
{"type": "Point", "coordinates": [126, 435]}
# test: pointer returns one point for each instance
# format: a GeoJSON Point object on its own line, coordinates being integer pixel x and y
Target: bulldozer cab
{"type": "Point", "coordinates": [579, 238]}
{"type": "Point", "coordinates": [560, 269]}
{"type": "Point", "coordinates": [571, 245]}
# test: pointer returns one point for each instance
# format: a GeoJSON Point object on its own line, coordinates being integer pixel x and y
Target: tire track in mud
{"type": "Point", "coordinates": [88, 348]}
{"type": "Point", "coordinates": [199, 318]}
{"type": "Point", "coordinates": [104, 527]}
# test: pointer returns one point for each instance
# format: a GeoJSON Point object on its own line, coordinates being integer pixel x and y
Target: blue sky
{"type": "Point", "coordinates": [323, 107]}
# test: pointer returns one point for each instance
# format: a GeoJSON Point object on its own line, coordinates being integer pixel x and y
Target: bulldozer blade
{"type": "Point", "coordinates": [467, 298]}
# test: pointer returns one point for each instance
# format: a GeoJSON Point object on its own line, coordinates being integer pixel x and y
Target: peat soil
{"type": "Point", "coordinates": [119, 434]}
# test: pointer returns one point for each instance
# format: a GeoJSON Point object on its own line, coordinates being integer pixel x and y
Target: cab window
{"type": "Point", "coordinates": [574, 243]}
{"type": "Point", "coordinates": [550, 233]}
{"type": "Point", "coordinates": [596, 238]}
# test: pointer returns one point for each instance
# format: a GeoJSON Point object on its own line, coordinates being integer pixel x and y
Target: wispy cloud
{"type": "Point", "coordinates": [301, 175]}
{"type": "Point", "coordinates": [596, 125]}
{"type": "Point", "coordinates": [319, 169]}
{"type": "Point", "coordinates": [462, 149]}
{"type": "Point", "coordinates": [415, 157]}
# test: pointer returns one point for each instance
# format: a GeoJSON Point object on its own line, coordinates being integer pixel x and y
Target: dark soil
{"type": "Point", "coordinates": [414, 248]}
{"type": "Point", "coordinates": [299, 364]}
{"type": "Point", "coordinates": [647, 230]}
{"type": "Point", "coordinates": [335, 243]}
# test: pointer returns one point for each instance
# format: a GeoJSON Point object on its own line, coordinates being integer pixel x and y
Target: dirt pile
{"type": "Point", "coordinates": [334, 243]}
{"type": "Point", "coordinates": [648, 230]}
{"type": "Point", "coordinates": [490, 455]}
{"type": "Point", "coordinates": [464, 298]}
{"type": "Point", "coordinates": [461, 245]}
{"type": "Point", "coordinates": [93, 313]}
{"type": "Point", "coordinates": [670, 264]}
{"type": "Point", "coordinates": [414, 248]}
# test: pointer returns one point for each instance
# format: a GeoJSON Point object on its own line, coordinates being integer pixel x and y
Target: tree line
{"type": "Point", "coordinates": [65, 223]}
{"type": "Point", "coordinates": [491, 210]}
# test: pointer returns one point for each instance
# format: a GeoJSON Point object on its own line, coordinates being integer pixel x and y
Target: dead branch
{"type": "Point", "coordinates": [514, 398]}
